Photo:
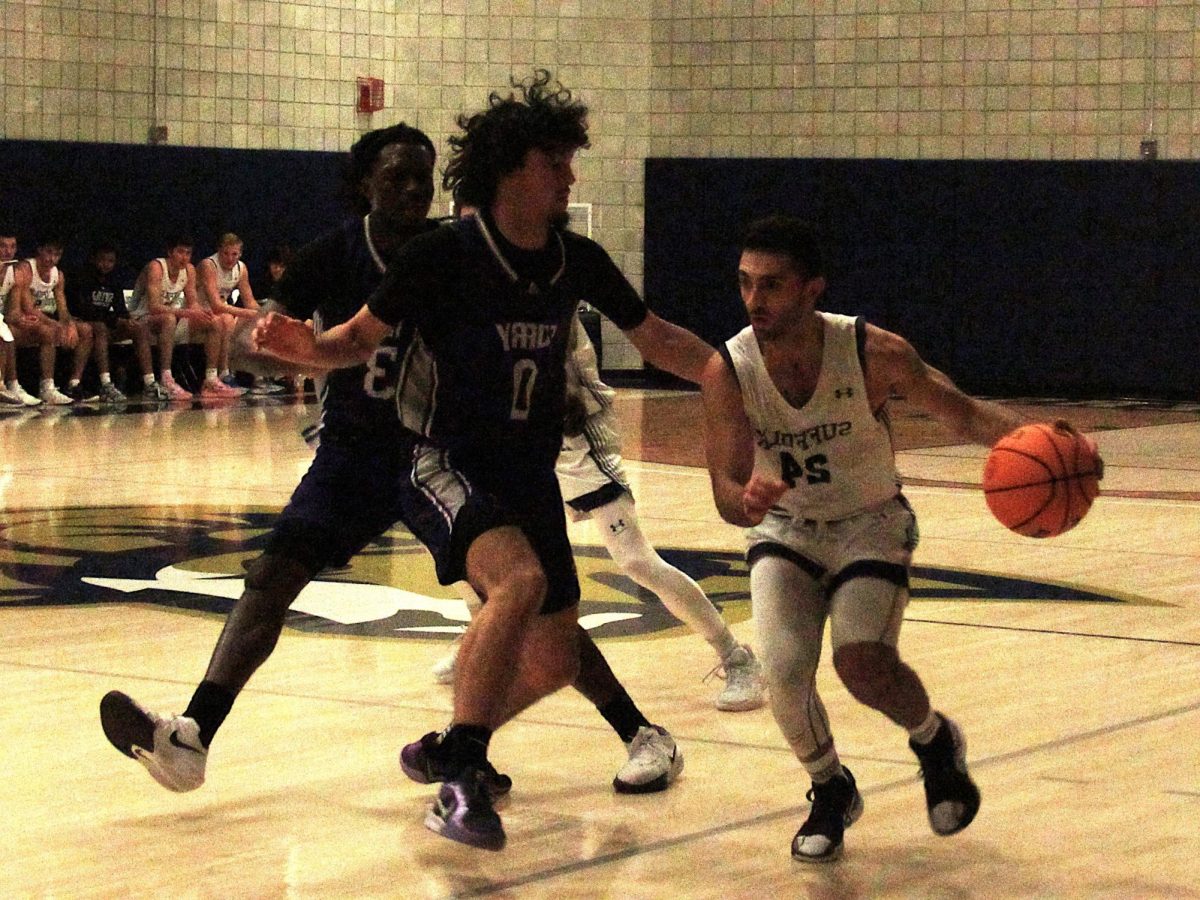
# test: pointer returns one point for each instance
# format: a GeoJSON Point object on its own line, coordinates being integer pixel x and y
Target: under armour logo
{"type": "Point", "coordinates": [844, 392]}
{"type": "Point", "coordinates": [617, 527]}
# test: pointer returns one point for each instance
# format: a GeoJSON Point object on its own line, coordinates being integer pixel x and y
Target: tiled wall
{"type": "Point", "coordinates": [1046, 79]}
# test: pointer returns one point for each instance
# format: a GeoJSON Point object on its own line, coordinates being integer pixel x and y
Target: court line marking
{"type": "Point", "coordinates": [797, 811]}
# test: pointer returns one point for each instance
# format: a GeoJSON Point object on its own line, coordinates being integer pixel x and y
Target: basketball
{"type": "Point", "coordinates": [1040, 480]}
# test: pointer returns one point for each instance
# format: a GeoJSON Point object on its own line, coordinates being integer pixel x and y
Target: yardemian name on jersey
{"type": "Point", "coordinates": [804, 440]}
{"type": "Point", "coordinates": [526, 335]}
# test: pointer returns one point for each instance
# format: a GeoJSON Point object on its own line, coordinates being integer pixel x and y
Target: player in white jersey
{"type": "Point", "coordinates": [799, 451]}
{"type": "Point", "coordinates": [225, 279]}
{"type": "Point", "coordinates": [164, 298]}
{"type": "Point", "coordinates": [14, 274]}
{"type": "Point", "coordinates": [48, 323]}
{"type": "Point", "coordinates": [592, 478]}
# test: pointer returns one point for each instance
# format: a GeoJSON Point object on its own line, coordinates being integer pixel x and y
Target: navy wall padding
{"type": "Point", "coordinates": [1076, 279]}
{"type": "Point", "coordinates": [138, 194]}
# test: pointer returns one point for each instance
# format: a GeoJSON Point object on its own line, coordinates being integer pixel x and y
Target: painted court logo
{"type": "Point", "coordinates": [195, 561]}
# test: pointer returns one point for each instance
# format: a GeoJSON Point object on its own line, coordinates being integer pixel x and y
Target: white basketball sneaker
{"type": "Point", "coordinates": [443, 670]}
{"type": "Point", "coordinates": [654, 762]}
{"type": "Point", "coordinates": [169, 748]}
{"type": "Point", "coordinates": [743, 681]}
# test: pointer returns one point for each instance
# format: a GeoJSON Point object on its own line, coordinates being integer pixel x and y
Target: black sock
{"type": "Point", "coordinates": [623, 715]}
{"type": "Point", "coordinates": [467, 746]}
{"type": "Point", "coordinates": [209, 707]}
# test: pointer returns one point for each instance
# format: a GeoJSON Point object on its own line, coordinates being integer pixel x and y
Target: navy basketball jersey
{"type": "Point", "coordinates": [488, 327]}
{"type": "Point", "coordinates": [329, 281]}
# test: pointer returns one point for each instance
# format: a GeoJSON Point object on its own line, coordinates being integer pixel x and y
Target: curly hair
{"type": "Point", "coordinates": [366, 150]}
{"type": "Point", "coordinates": [540, 114]}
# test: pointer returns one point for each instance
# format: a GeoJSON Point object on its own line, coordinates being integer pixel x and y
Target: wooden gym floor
{"type": "Point", "coordinates": [1073, 665]}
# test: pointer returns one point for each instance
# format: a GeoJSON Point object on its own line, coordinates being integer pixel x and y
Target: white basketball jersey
{"type": "Point", "coordinates": [227, 279]}
{"type": "Point", "coordinates": [6, 281]}
{"type": "Point", "coordinates": [172, 291]}
{"type": "Point", "coordinates": [43, 291]}
{"type": "Point", "coordinates": [833, 452]}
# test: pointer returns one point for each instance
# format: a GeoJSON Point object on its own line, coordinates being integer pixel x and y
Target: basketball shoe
{"type": "Point", "coordinates": [169, 748]}
{"type": "Point", "coordinates": [463, 812]}
{"type": "Point", "coordinates": [836, 805]}
{"type": "Point", "coordinates": [22, 396]}
{"type": "Point", "coordinates": [52, 396]}
{"type": "Point", "coordinates": [743, 681]}
{"type": "Point", "coordinates": [216, 388]}
{"type": "Point", "coordinates": [654, 762]}
{"type": "Point", "coordinates": [110, 393]}
{"type": "Point", "coordinates": [425, 763]}
{"type": "Point", "coordinates": [175, 391]}
{"type": "Point", "coordinates": [950, 795]}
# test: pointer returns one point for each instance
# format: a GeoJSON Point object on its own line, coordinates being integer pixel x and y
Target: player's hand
{"type": "Point", "coordinates": [283, 337]}
{"type": "Point", "coordinates": [759, 495]}
{"type": "Point", "coordinates": [68, 335]}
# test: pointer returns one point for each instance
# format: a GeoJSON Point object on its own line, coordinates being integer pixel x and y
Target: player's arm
{"type": "Point", "coordinates": [20, 298]}
{"type": "Point", "coordinates": [249, 308]}
{"type": "Point", "coordinates": [348, 344]}
{"type": "Point", "coordinates": [60, 299]}
{"type": "Point", "coordinates": [741, 496]}
{"type": "Point", "coordinates": [191, 302]}
{"type": "Point", "coordinates": [154, 292]}
{"type": "Point", "coordinates": [670, 348]}
{"type": "Point", "coordinates": [895, 369]}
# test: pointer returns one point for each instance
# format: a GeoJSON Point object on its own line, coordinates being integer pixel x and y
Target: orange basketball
{"type": "Point", "coordinates": [1040, 481]}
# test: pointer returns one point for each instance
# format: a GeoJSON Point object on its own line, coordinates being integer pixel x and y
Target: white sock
{"type": "Point", "coordinates": [210, 375]}
{"type": "Point", "coordinates": [74, 382]}
{"type": "Point", "coordinates": [14, 385]}
{"type": "Point", "coordinates": [824, 767]}
{"type": "Point", "coordinates": [924, 732]}
{"type": "Point", "coordinates": [148, 379]}
{"type": "Point", "coordinates": [105, 378]}
{"type": "Point", "coordinates": [47, 384]}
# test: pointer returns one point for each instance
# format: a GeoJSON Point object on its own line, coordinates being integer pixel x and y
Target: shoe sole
{"type": "Point", "coordinates": [661, 783]}
{"type": "Point", "coordinates": [484, 841]}
{"type": "Point", "coordinates": [125, 724]}
{"type": "Point", "coordinates": [741, 706]}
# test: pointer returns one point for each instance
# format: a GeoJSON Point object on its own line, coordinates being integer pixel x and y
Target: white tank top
{"type": "Point", "coordinates": [43, 291]}
{"type": "Point", "coordinates": [227, 280]}
{"type": "Point", "coordinates": [6, 281]}
{"type": "Point", "coordinates": [172, 291]}
{"type": "Point", "coordinates": [833, 452]}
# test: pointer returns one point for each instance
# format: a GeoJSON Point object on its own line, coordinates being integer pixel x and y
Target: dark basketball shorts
{"type": "Point", "coordinates": [349, 496]}
{"type": "Point", "coordinates": [448, 504]}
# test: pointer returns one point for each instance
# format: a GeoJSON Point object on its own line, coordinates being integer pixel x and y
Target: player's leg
{"type": "Point", "coordinates": [103, 336]}
{"type": "Point", "coordinates": [79, 359]}
{"type": "Point", "coordinates": [15, 394]}
{"type": "Point", "coordinates": [654, 760]}
{"type": "Point", "coordinates": [789, 611]}
{"type": "Point", "coordinates": [868, 598]}
{"type": "Point", "coordinates": [617, 523]}
{"type": "Point", "coordinates": [339, 506]}
{"type": "Point", "coordinates": [216, 335]}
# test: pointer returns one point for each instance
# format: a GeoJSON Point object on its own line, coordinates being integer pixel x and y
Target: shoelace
{"type": "Point", "coordinates": [718, 671]}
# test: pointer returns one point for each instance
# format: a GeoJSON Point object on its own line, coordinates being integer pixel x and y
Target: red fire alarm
{"type": "Point", "coordinates": [370, 95]}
